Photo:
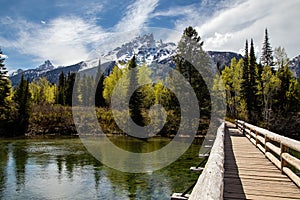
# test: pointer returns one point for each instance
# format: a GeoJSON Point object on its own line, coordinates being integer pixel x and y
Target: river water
{"type": "Point", "coordinates": [64, 169]}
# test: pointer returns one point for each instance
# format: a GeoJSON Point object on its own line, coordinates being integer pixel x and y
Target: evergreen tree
{"type": "Point", "coordinates": [136, 99]}
{"type": "Point", "coordinates": [69, 88]}
{"type": "Point", "coordinates": [5, 92]}
{"type": "Point", "coordinates": [61, 89]}
{"type": "Point", "coordinates": [99, 99]}
{"type": "Point", "coordinates": [266, 57]}
{"type": "Point", "coordinates": [190, 52]}
{"type": "Point", "coordinates": [245, 79]}
{"type": "Point", "coordinates": [283, 103]}
{"type": "Point", "coordinates": [84, 90]}
{"type": "Point", "coordinates": [4, 83]}
{"type": "Point", "coordinates": [253, 106]}
{"type": "Point", "coordinates": [22, 99]}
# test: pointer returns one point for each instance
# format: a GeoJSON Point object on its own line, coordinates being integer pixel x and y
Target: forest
{"type": "Point", "coordinates": [261, 91]}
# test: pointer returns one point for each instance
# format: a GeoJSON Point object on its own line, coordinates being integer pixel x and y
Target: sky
{"type": "Point", "coordinates": [65, 32]}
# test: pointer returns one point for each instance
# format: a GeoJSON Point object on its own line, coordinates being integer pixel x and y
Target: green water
{"type": "Point", "coordinates": [64, 169]}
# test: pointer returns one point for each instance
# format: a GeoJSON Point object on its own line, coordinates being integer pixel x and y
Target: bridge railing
{"type": "Point", "coordinates": [282, 151]}
{"type": "Point", "coordinates": [211, 182]}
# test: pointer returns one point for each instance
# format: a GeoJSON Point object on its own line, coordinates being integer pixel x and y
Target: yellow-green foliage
{"type": "Point", "coordinates": [110, 83]}
{"type": "Point", "coordinates": [231, 80]}
{"type": "Point", "coordinates": [42, 91]}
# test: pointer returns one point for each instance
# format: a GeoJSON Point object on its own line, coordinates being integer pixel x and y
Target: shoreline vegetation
{"type": "Point", "coordinates": [264, 93]}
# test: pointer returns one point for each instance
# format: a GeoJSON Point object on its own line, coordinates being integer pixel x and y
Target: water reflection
{"type": "Point", "coordinates": [3, 164]}
{"type": "Point", "coordinates": [63, 169]}
{"type": "Point", "coordinates": [20, 157]}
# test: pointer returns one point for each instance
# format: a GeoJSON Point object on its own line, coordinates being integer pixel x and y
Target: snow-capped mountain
{"type": "Point", "coordinates": [146, 49]}
{"type": "Point", "coordinates": [46, 66]}
{"type": "Point", "coordinates": [295, 66]}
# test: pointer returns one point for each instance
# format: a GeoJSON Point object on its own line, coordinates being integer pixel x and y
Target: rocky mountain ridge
{"type": "Point", "coordinates": [146, 49]}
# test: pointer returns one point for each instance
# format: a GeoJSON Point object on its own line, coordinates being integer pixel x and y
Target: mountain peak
{"type": "Point", "coordinates": [47, 65]}
{"type": "Point", "coordinates": [146, 49]}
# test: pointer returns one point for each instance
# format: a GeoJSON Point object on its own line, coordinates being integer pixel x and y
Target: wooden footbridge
{"type": "Point", "coordinates": [248, 162]}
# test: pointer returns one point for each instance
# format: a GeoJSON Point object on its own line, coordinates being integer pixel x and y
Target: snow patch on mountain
{"type": "Point", "coordinates": [146, 49]}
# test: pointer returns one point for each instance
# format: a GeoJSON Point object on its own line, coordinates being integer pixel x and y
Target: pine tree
{"type": "Point", "coordinates": [245, 78]}
{"type": "Point", "coordinates": [61, 89]}
{"type": "Point", "coordinates": [22, 99]}
{"type": "Point", "coordinates": [84, 90]}
{"type": "Point", "coordinates": [4, 83]}
{"type": "Point", "coordinates": [99, 99]}
{"type": "Point", "coordinates": [190, 53]}
{"type": "Point", "coordinates": [266, 57]}
{"type": "Point", "coordinates": [283, 103]}
{"type": "Point", "coordinates": [136, 99]}
{"type": "Point", "coordinates": [69, 88]}
{"type": "Point", "coordinates": [5, 92]}
{"type": "Point", "coordinates": [253, 107]}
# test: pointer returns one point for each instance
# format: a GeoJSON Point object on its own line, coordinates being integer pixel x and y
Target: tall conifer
{"type": "Point", "coordinates": [266, 57]}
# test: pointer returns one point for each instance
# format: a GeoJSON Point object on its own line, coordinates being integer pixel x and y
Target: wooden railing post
{"type": "Point", "coordinates": [281, 156]}
{"type": "Point", "coordinates": [266, 148]}
{"type": "Point", "coordinates": [256, 139]}
{"type": "Point", "coordinates": [283, 149]}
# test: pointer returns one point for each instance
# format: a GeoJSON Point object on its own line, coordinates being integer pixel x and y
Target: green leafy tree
{"type": "Point", "coordinates": [270, 83]}
{"type": "Point", "coordinates": [232, 77]}
{"type": "Point", "coordinates": [281, 58]}
{"type": "Point", "coordinates": [283, 102]}
{"type": "Point", "coordinates": [42, 91]}
{"type": "Point", "coordinates": [147, 90]}
{"type": "Point", "coordinates": [110, 82]}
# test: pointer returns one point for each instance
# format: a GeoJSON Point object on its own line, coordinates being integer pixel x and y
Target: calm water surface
{"type": "Point", "coordinates": [64, 169]}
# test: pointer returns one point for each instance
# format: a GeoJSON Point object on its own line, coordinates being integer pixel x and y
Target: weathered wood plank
{"type": "Point", "coordinates": [250, 175]}
{"type": "Point", "coordinates": [210, 183]}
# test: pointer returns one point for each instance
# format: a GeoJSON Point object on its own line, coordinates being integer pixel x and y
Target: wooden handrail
{"type": "Point", "coordinates": [275, 147]}
{"type": "Point", "coordinates": [211, 182]}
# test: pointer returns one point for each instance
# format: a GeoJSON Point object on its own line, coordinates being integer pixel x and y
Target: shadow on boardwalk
{"type": "Point", "coordinates": [233, 188]}
{"type": "Point", "coordinates": [249, 174]}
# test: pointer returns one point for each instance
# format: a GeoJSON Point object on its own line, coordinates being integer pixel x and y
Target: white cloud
{"type": "Point", "coordinates": [67, 40]}
{"type": "Point", "coordinates": [137, 15]}
{"type": "Point", "coordinates": [218, 40]}
{"type": "Point", "coordinates": [175, 11]}
{"type": "Point", "coordinates": [248, 20]}
{"type": "Point", "coordinates": [6, 20]}
{"type": "Point", "coordinates": [64, 41]}
{"type": "Point", "coordinates": [3, 56]}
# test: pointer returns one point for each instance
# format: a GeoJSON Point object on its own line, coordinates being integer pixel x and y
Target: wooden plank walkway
{"type": "Point", "coordinates": [249, 174]}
